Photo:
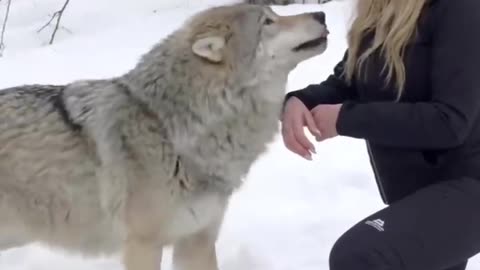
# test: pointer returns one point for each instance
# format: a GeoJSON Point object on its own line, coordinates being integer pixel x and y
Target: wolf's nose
{"type": "Point", "coordinates": [319, 17]}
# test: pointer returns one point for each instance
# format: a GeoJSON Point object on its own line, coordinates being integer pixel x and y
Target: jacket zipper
{"type": "Point", "coordinates": [377, 175]}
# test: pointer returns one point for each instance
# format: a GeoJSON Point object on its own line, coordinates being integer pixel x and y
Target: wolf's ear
{"type": "Point", "coordinates": [210, 48]}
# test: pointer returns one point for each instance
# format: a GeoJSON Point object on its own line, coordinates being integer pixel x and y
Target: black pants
{"type": "Point", "coordinates": [436, 228]}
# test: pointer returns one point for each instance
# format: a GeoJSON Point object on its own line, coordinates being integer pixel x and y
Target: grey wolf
{"type": "Point", "coordinates": [413, 96]}
{"type": "Point", "coordinates": [150, 158]}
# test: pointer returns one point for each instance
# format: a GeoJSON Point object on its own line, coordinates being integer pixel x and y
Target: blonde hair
{"type": "Point", "coordinates": [394, 23]}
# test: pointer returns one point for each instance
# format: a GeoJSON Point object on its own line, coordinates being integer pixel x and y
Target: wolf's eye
{"type": "Point", "coordinates": [268, 21]}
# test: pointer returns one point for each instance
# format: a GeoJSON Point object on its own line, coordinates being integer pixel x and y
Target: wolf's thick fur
{"type": "Point", "coordinates": [150, 158]}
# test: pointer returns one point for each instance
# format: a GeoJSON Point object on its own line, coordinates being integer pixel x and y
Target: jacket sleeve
{"type": "Point", "coordinates": [333, 90]}
{"type": "Point", "coordinates": [447, 119]}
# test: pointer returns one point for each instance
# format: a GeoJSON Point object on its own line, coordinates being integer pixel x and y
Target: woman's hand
{"type": "Point", "coordinates": [295, 117]}
{"type": "Point", "coordinates": [325, 117]}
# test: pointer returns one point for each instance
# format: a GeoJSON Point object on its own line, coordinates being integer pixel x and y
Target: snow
{"type": "Point", "coordinates": [290, 211]}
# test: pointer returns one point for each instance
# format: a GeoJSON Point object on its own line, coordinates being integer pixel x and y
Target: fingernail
{"type": "Point", "coordinates": [308, 157]}
{"type": "Point", "coordinates": [313, 150]}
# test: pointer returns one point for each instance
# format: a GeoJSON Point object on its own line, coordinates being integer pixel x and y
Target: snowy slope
{"type": "Point", "coordinates": [290, 211]}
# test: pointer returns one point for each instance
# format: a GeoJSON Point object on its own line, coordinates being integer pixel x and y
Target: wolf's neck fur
{"type": "Point", "coordinates": [191, 96]}
{"type": "Point", "coordinates": [218, 117]}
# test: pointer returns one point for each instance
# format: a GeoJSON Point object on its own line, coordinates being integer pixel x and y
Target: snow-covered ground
{"type": "Point", "coordinates": [290, 211]}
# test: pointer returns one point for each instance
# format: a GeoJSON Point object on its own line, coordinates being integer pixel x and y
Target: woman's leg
{"type": "Point", "coordinates": [461, 266]}
{"type": "Point", "coordinates": [435, 228]}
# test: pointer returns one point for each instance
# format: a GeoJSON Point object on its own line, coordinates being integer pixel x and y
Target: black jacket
{"type": "Point", "coordinates": [433, 132]}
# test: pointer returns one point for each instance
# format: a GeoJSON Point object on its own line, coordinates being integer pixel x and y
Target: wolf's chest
{"type": "Point", "coordinates": [228, 150]}
{"type": "Point", "coordinates": [175, 212]}
{"type": "Point", "coordinates": [195, 214]}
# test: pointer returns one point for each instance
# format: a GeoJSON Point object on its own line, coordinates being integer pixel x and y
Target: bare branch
{"type": "Point", "coordinates": [59, 18]}
{"type": "Point", "coordinates": [4, 27]}
{"type": "Point", "coordinates": [58, 15]}
{"type": "Point", "coordinates": [49, 22]}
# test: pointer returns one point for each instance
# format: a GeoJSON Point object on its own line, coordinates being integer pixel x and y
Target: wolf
{"type": "Point", "coordinates": [149, 159]}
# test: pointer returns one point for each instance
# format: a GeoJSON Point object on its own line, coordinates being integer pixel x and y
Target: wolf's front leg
{"type": "Point", "coordinates": [197, 251]}
{"type": "Point", "coordinates": [142, 254]}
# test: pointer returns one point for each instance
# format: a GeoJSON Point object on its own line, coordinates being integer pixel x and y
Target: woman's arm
{"type": "Point", "coordinates": [331, 91]}
{"type": "Point", "coordinates": [445, 121]}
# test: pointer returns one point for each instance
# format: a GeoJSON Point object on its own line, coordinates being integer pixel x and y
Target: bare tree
{"type": "Point", "coordinates": [58, 15]}
{"type": "Point", "coordinates": [4, 27]}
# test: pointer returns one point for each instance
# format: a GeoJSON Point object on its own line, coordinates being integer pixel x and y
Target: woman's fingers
{"type": "Point", "coordinates": [296, 116]}
{"type": "Point", "coordinates": [312, 126]}
{"type": "Point", "coordinates": [293, 145]}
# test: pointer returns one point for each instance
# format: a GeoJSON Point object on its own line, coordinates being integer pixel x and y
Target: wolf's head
{"type": "Point", "coordinates": [234, 43]}
{"type": "Point", "coordinates": [224, 62]}
{"type": "Point", "coordinates": [224, 57]}
{"type": "Point", "coordinates": [245, 33]}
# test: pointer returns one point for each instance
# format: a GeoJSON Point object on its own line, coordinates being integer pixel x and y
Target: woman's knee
{"type": "Point", "coordinates": [361, 250]}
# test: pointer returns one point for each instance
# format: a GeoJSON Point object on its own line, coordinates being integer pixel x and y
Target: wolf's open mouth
{"type": "Point", "coordinates": [310, 44]}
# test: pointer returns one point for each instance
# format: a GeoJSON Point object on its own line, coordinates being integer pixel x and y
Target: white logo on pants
{"type": "Point", "coordinates": [377, 224]}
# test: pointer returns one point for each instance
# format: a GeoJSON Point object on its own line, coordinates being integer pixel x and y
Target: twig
{"type": "Point", "coordinates": [59, 17]}
{"type": "Point", "coordinates": [48, 23]}
{"type": "Point", "coordinates": [58, 14]}
{"type": "Point", "coordinates": [4, 27]}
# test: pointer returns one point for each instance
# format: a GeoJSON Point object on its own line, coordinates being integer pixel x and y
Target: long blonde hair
{"type": "Point", "coordinates": [394, 23]}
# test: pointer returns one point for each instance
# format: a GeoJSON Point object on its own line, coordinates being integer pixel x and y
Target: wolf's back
{"type": "Point", "coordinates": [27, 107]}
{"type": "Point", "coordinates": [36, 134]}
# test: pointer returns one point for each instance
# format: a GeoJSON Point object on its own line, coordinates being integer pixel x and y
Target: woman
{"type": "Point", "coordinates": [409, 85]}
